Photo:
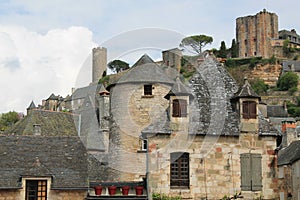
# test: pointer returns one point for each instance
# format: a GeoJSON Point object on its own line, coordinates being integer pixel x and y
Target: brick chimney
{"type": "Point", "coordinates": [288, 128]}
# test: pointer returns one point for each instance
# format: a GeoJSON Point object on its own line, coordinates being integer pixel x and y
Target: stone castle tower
{"type": "Point", "coordinates": [99, 63]}
{"type": "Point", "coordinates": [253, 34]}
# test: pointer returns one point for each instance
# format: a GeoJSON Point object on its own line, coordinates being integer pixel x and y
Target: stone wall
{"type": "Point", "coordinates": [214, 165]}
{"type": "Point", "coordinates": [53, 195]}
{"type": "Point", "coordinates": [10, 195]}
{"type": "Point", "coordinates": [296, 179]}
{"type": "Point", "coordinates": [132, 111]}
{"type": "Point", "coordinates": [268, 73]}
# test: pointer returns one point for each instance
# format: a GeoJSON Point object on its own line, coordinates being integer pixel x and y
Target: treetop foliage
{"type": "Point", "coordinates": [196, 42]}
{"type": "Point", "coordinates": [118, 65]}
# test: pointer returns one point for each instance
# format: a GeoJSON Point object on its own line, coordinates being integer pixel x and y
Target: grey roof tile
{"type": "Point", "coordinates": [62, 158]}
{"type": "Point", "coordinates": [289, 154]}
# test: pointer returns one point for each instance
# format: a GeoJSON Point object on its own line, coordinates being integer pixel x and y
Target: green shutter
{"type": "Point", "coordinates": [256, 172]}
{"type": "Point", "coordinates": [245, 172]}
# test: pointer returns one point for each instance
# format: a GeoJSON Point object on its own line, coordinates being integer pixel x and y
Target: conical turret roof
{"type": "Point", "coordinates": [145, 70]}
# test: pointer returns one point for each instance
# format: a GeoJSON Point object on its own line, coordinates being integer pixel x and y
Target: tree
{"type": "Point", "coordinates": [8, 119]}
{"type": "Point", "coordinates": [223, 50]}
{"type": "Point", "coordinates": [288, 81]}
{"type": "Point", "coordinates": [196, 42]}
{"type": "Point", "coordinates": [234, 49]}
{"type": "Point", "coordinates": [118, 65]}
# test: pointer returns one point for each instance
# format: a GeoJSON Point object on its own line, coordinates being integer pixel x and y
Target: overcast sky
{"type": "Point", "coordinates": [45, 46]}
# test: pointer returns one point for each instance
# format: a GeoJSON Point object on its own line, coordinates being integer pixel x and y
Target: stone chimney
{"type": "Point", "coordinates": [99, 63]}
{"type": "Point", "coordinates": [288, 128]}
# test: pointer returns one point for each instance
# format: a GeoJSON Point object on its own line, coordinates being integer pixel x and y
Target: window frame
{"type": "Point", "coordinates": [36, 189]}
{"type": "Point", "coordinates": [179, 108]}
{"type": "Point", "coordinates": [180, 170]}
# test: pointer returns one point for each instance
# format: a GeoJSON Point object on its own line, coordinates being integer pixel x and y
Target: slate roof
{"type": "Point", "coordinates": [290, 66]}
{"type": "Point", "coordinates": [145, 70]}
{"type": "Point", "coordinates": [179, 89]}
{"type": "Point", "coordinates": [265, 128]}
{"type": "Point", "coordinates": [246, 91]}
{"type": "Point", "coordinates": [31, 106]}
{"type": "Point", "coordinates": [290, 154]}
{"type": "Point", "coordinates": [209, 84]}
{"type": "Point", "coordinates": [276, 111]}
{"type": "Point", "coordinates": [53, 97]}
{"type": "Point", "coordinates": [62, 158]}
{"type": "Point", "coordinates": [90, 90]}
{"type": "Point", "coordinates": [51, 123]}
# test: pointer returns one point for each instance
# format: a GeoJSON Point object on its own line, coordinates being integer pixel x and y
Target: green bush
{"type": "Point", "coordinates": [287, 81]}
{"type": "Point", "coordinates": [259, 86]}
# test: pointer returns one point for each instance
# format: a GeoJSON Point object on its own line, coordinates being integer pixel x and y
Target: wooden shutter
{"type": "Point", "coordinates": [183, 107]}
{"type": "Point", "coordinates": [179, 108]}
{"type": "Point", "coordinates": [245, 110]}
{"type": "Point", "coordinates": [176, 108]}
{"type": "Point", "coordinates": [256, 172]}
{"type": "Point", "coordinates": [245, 172]}
{"type": "Point", "coordinates": [252, 109]}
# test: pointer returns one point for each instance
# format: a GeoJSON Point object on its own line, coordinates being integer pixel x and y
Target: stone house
{"type": "Point", "coordinates": [42, 158]}
{"type": "Point", "coordinates": [201, 138]}
{"type": "Point", "coordinates": [288, 161]}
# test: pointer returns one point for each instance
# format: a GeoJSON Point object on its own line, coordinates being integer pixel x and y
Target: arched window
{"type": "Point", "coordinates": [249, 110]}
{"type": "Point", "coordinates": [179, 170]}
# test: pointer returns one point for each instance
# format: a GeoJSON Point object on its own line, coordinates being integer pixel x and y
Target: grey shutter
{"type": "Point", "coordinates": [245, 172]}
{"type": "Point", "coordinates": [256, 172]}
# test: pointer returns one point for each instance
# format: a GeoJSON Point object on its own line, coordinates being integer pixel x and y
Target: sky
{"type": "Point", "coordinates": [46, 46]}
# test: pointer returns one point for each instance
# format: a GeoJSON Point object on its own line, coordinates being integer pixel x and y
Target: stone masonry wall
{"type": "Point", "coordinates": [53, 195]}
{"type": "Point", "coordinates": [214, 166]}
{"type": "Point", "coordinates": [132, 112]}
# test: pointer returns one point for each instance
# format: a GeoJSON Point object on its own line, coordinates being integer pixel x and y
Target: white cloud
{"type": "Point", "coordinates": [32, 65]}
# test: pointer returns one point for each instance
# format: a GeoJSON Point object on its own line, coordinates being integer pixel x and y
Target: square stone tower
{"type": "Point", "coordinates": [253, 34]}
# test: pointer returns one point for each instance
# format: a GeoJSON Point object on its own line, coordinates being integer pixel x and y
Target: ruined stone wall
{"type": "Point", "coordinates": [253, 34]}
{"type": "Point", "coordinates": [214, 167]}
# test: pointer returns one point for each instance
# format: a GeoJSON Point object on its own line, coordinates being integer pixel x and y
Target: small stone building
{"type": "Point", "coordinates": [43, 158]}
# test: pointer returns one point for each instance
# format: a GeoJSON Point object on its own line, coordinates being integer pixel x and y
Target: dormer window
{"type": "Point", "coordinates": [147, 90]}
{"type": "Point", "coordinates": [249, 110]}
{"type": "Point", "coordinates": [179, 108]}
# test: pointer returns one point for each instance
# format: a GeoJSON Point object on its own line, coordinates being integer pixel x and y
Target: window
{"type": "Point", "coordinates": [249, 110]}
{"type": "Point", "coordinates": [36, 189]}
{"type": "Point", "coordinates": [179, 170]}
{"type": "Point", "coordinates": [179, 108]}
{"type": "Point", "coordinates": [147, 89]}
{"type": "Point", "coordinates": [144, 145]}
{"type": "Point", "coordinates": [251, 172]}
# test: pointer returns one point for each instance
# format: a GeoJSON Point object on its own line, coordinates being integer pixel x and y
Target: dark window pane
{"type": "Point", "coordinates": [147, 89]}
